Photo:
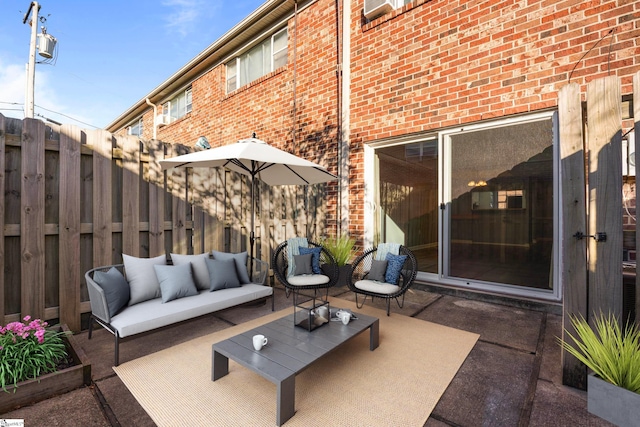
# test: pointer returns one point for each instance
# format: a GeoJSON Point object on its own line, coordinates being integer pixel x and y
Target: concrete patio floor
{"type": "Point", "coordinates": [512, 377]}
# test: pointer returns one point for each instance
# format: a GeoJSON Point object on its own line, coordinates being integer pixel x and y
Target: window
{"type": "Point", "coordinates": [178, 107]}
{"type": "Point", "coordinates": [258, 61]}
{"type": "Point", "coordinates": [136, 128]}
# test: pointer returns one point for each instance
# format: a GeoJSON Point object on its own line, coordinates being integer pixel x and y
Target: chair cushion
{"type": "Point", "coordinates": [308, 280]}
{"type": "Point", "coordinates": [378, 270]}
{"type": "Point", "coordinates": [293, 248]}
{"type": "Point", "coordinates": [377, 287]}
{"type": "Point", "coordinates": [143, 282]}
{"type": "Point", "coordinates": [315, 261]}
{"type": "Point", "coordinates": [176, 281]}
{"type": "Point", "coordinates": [198, 265]}
{"type": "Point", "coordinates": [303, 264]}
{"type": "Point", "coordinates": [115, 287]}
{"type": "Point", "coordinates": [394, 266]}
{"type": "Point", "coordinates": [222, 274]}
{"type": "Point", "coordinates": [241, 263]}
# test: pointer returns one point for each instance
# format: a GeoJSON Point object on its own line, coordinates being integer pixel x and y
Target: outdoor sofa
{"type": "Point", "coordinates": [144, 294]}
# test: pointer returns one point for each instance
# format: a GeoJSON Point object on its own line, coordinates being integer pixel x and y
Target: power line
{"type": "Point", "coordinates": [69, 117]}
{"type": "Point", "coordinates": [46, 109]}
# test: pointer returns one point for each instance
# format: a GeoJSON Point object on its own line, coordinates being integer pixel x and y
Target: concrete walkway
{"type": "Point", "coordinates": [512, 377]}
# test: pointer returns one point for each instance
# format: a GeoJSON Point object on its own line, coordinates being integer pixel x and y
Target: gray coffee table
{"type": "Point", "coordinates": [290, 350]}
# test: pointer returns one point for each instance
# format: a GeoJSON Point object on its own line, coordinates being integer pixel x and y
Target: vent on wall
{"type": "Point", "coordinates": [375, 8]}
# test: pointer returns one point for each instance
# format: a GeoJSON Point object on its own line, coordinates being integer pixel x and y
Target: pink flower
{"type": "Point", "coordinates": [27, 318]}
{"type": "Point", "coordinates": [40, 335]}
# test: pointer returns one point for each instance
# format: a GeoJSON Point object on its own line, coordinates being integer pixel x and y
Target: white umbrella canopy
{"type": "Point", "coordinates": [257, 159]}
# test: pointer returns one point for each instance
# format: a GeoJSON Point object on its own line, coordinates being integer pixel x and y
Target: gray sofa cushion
{"type": "Point", "coordinates": [141, 276]}
{"type": "Point", "coordinates": [222, 274]}
{"type": "Point", "coordinates": [198, 265]}
{"type": "Point", "coordinates": [241, 263]}
{"type": "Point", "coordinates": [115, 287]}
{"type": "Point", "coordinates": [152, 314]}
{"type": "Point", "coordinates": [176, 281]}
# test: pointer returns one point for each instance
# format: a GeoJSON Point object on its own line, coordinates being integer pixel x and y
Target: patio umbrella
{"type": "Point", "coordinates": [257, 159]}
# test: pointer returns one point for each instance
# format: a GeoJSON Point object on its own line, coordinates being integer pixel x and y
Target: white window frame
{"type": "Point", "coordinates": [237, 61]}
{"type": "Point", "coordinates": [167, 106]}
{"type": "Point", "coordinates": [139, 124]}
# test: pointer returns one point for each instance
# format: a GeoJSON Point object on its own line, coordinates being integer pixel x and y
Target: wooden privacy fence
{"type": "Point", "coordinates": [75, 199]}
{"type": "Point", "coordinates": [592, 209]}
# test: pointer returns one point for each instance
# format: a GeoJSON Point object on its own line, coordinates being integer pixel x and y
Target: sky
{"type": "Point", "coordinates": [109, 53]}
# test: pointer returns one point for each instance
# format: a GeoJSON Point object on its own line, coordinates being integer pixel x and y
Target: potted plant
{"type": "Point", "coordinates": [37, 362]}
{"type": "Point", "coordinates": [613, 354]}
{"type": "Point", "coordinates": [342, 249]}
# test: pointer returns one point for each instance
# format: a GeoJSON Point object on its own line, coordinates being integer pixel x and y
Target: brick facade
{"type": "Point", "coordinates": [436, 64]}
{"type": "Point", "coordinates": [429, 65]}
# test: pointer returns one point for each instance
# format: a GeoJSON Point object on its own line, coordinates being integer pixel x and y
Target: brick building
{"type": "Point", "coordinates": [440, 118]}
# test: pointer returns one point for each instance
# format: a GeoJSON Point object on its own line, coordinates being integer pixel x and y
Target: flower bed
{"type": "Point", "coordinates": [50, 384]}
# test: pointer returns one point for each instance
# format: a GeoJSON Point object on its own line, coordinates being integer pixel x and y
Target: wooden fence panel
{"type": "Point", "coordinates": [605, 195]}
{"type": "Point", "coordinates": [131, 196]}
{"type": "Point", "coordinates": [102, 196]}
{"type": "Point", "coordinates": [81, 198]}
{"type": "Point", "coordinates": [574, 251]}
{"type": "Point", "coordinates": [177, 181]}
{"type": "Point", "coordinates": [69, 238]}
{"type": "Point", "coordinates": [32, 219]}
{"type": "Point", "coordinates": [156, 199]}
{"type": "Point", "coordinates": [2, 246]}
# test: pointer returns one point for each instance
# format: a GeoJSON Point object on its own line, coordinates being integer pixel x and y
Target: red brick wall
{"type": "Point", "coordinates": [429, 65]}
{"type": "Point", "coordinates": [266, 106]}
{"type": "Point", "coordinates": [435, 64]}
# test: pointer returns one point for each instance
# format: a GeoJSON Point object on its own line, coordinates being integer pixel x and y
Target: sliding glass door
{"type": "Point", "coordinates": [476, 205]}
{"type": "Point", "coordinates": [408, 199]}
{"type": "Point", "coordinates": [499, 209]}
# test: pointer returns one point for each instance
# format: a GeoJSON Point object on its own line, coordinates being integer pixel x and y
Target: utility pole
{"type": "Point", "coordinates": [31, 66]}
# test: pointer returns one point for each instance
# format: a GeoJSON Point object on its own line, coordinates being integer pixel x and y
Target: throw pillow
{"type": "Point", "coordinates": [394, 265]}
{"type": "Point", "coordinates": [315, 260]}
{"type": "Point", "coordinates": [176, 281]}
{"type": "Point", "coordinates": [378, 270]}
{"type": "Point", "coordinates": [115, 287]}
{"type": "Point", "coordinates": [241, 264]}
{"type": "Point", "coordinates": [143, 282]}
{"type": "Point", "coordinates": [199, 266]}
{"type": "Point", "coordinates": [303, 264]}
{"type": "Point", "coordinates": [222, 274]}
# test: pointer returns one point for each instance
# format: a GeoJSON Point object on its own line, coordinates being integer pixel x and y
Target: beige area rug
{"type": "Point", "coordinates": [397, 384]}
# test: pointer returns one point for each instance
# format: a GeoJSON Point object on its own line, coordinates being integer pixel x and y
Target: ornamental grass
{"type": "Point", "coordinates": [610, 351]}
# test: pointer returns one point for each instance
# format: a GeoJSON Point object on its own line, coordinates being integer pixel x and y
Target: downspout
{"type": "Point", "coordinates": [295, 70]}
{"type": "Point", "coordinates": [155, 114]}
{"type": "Point", "coordinates": [344, 123]}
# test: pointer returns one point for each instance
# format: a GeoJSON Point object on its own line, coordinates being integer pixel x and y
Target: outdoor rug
{"type": "Point", "coordinates": [397, 384]}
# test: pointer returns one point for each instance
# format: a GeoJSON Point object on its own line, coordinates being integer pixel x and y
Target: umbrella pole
{"type": "Point", "coordinates": [252, 237]}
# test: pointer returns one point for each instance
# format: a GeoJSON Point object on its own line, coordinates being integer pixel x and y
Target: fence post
{"type": "Point", "coordinates": [131, 196]}
{"type": "Point", "coordinates": [69, 234]}
{"type": "Point", "coordinates": [636, 128]}
{"type": "Point", "coordinates": [2, 248]}
{"type": "Point", "coordinates": [156, 199]}
{"type": "Point", "coordinates": [605, 195]}
{"type": "Point", "coordinates": [32, 236]}
{"type": "Point", "coordinates": [574, 255]}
